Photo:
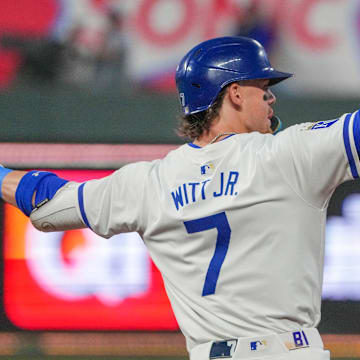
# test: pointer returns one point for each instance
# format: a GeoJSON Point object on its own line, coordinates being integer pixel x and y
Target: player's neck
{"type": "Point", "coordinates": [203, 141]}
{"type": "Point", "coordinates": [219, 130]}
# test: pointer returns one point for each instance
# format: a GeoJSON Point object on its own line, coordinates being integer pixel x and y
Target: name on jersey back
{"type": "Point", "coordinates": [193, 191]}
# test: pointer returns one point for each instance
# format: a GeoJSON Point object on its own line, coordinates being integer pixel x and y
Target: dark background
{"type": "Point", "coordinates": [68, 115]}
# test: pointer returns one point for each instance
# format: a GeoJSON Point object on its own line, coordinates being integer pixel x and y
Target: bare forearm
{"type": "Point", "coordinates": [10, 184]}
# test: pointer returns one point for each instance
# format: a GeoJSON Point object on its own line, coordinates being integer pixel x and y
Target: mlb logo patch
{"type": "Point", "coordinates": [258, 345]}
{"type": "Point", "coordinates": [207, 169]}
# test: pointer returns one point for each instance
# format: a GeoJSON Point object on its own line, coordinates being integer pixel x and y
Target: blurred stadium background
{"type": "Point", "coordinates": [86, 86]}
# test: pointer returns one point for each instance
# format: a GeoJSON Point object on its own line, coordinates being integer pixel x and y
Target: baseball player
{"type": "Point", "coordinates": [234, 220]}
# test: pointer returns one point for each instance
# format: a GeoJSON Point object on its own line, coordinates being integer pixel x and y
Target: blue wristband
{"type": "Point", "coordinates": [44, 183]}
{"type": "Point", "coordinates": [47, 188]}
{"type": "Point", "coordinates": [3, 172]}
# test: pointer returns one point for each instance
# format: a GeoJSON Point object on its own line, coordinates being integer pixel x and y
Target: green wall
{"type": "Point", "coordinates": [74, 115]}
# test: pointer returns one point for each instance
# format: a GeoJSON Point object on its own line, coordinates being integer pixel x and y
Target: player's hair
{"type": "Point", "coordinates": [193, 125]}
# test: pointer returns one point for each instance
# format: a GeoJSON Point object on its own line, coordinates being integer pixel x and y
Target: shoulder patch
{"type": "Point", "coordinates": [322, 124]}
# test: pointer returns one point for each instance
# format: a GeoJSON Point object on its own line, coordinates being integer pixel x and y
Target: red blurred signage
{"type": "Point", "coordinates": [25, 18]}
{"type": "Point", "coordinates": [78, 280]}
{"type": "Point", "coordinates": [149, 28]}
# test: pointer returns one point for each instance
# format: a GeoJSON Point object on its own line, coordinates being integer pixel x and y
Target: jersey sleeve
{"type": "Point", "coordinates": [115, 204]}
{"type": "Point", "coordinates": [315, 158]}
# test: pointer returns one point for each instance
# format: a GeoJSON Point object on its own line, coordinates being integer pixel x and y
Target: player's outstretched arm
{"type": "Point", "coordinates": [49, 201]}
{"type": "Point", "coordinates": [28, 190]}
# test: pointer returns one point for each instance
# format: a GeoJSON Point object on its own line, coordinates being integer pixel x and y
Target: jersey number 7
{"type": "Point", "coordinates": [219, 222]}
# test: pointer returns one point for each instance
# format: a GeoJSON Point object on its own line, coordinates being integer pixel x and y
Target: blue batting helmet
{"type": "Point", "coordinates": [215, 63]}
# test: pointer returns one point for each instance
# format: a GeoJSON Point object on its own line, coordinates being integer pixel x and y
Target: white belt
{"type": "Point", "coordinates": [252, 347]}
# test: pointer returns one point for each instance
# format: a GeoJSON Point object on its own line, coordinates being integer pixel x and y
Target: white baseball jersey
{"type": "Point", "coordinates": [236, 227]}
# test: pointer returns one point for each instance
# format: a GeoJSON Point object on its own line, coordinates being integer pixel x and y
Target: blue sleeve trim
{"type": "Point", "coordinates": [81, 204]}
{"type": "Point", "coordinates": [349, 154]}
{"type": "Point", "coordinates": [356, 132]}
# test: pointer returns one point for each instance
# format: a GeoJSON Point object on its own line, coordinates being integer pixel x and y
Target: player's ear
{"type": "Point", "coordinates": [235, 94]}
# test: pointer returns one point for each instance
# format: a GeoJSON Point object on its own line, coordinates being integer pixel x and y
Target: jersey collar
{"type": "Point", "coordinates": [199, 147]}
